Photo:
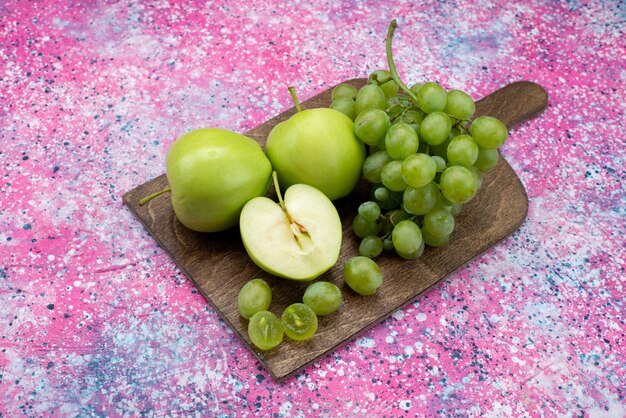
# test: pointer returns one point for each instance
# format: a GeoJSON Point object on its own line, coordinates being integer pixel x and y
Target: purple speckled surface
{"type": "Point", "coordinates": [95, 319]}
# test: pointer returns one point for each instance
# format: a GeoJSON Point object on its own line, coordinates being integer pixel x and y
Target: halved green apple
{"type": "Point", "coordinates": [298, 238]}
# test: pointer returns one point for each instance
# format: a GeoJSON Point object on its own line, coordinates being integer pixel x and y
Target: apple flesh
{"type": "Point", "coordinates": [298, 239]}
{"type": "Point", "coordinates": [317, 147]}
{"type": "Point", "coordinates": [212, 173]}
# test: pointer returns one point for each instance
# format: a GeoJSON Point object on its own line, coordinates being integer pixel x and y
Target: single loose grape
{"type": "Point", "coordinates": [370, 96]}
{"type": "Point", "coordinates": [391, 176]}
{"type": "Point", "coordinates": [323, 297]}
{"type": "Point", "coordinates": [345, 105]}
{"type": "Point", "coordinates": [371, 246]}
{"type": "Point", "coordinates": [373, 165]}
{"type": "Point", "coordinates": [462, 150]}
{"type": "Point", "coordinates": [343, 90]}
{"type": "Point", "coordinates": [371, 126]}
{"type": "Point", "coordinates": [488, 132]}
{"type": "Point", "coordinates": [459, 105]}
{"type": "Point", "coordinates": [487, 159]}
{"type": "Point", "coordinates": [370, 210]}
{"type": "Point", "coordinates": [407, 239]}
{"type": "Point", "coordinates": [418, 170]}
{"type": "Point", "coordinates": [435, 128]}
{"type": "Point", "coordinates": [419, 201]}
{"type": "Point", "coordinates": [363, 275]}
{"type": "Point", "coordinates": [253, 297]}
{"type": "Point", "coordinates": [431, 97]}
{"type": "Point", "coordinates": [458, 184]}
{"type": "Point", "coordinates": [401, 141]}
{"type": "Point", "coordinates": [265, 330]}
{"type": "Point", "coordinates": [299, 321]}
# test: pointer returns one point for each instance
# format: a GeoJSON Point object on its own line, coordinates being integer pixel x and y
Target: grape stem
{"type": "Point", "coordinates": [153, 195]}
{"type": "Point", "coordinates": [392, 66]}
{"type": "Point", "coordinates": [294, 96]}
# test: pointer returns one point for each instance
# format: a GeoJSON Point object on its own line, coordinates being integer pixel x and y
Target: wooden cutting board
{"type": "Point", "coordinates": [218, 265]}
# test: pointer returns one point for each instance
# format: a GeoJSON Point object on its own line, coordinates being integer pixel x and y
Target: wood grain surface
{"type": "Point", "coordinates": [218, 265]}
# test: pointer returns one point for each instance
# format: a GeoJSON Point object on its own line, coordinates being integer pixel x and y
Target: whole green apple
{"type": "Point", "coordinates": [212, 173]}
{"type": "Point", "coordinates": [317, 147]}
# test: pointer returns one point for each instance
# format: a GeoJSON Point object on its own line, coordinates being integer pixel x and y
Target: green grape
{"type": "Point", "coordinates": [362, 275]}
{"type": "Point", "coordinates": [459, 105]}
{"type": "Point", "coordinates": [299, 321]}
{"type": "Point", "coordinates": [363, 227]}
{"type": "Point", "coordinates": [265, 330]}
{"type": "Point", "coordinates": [383, 79]}
{"type": "Point", "coordinates": [345, 105]}
{"type": "Point", "coordinates": [371, 126]}
{"type": "Point", "coordinates": [370, 210]}
{"type": "Point", "coordinates": [407, 239]}
{"type": "Point", "coordinates": [438, 222]}
{"type": "Point", "coordinates": [418, 170]}
{"type": "Point", "coordinates": [394, 109]}
{"type": "Point", "coordinates": [488, 132]}
{"type": "Point", "coordinates": [458, 184]}
{"type": "Point", "coordinates": [391, 176]}
{"type": "Point", "coordinates": [323, 297]}
{"type": "Point", "coordinates": [385, 198]}
{"type": "Point", "coordinates": [419, 201]}
{"type": "Point", "coordinates": [439, 162]}
{"type": "Point", "coordinates": [373, 165]}
{"type": "Point", "coordinates": [462, 150]}
{"type": "Point", "coordinates": [487, 159]}
{"type": "Point", "coordinates": [401, 141]}
{"type": "Point", "coordinates": [453, 208]}
{"type": "Point", "coordinates": [388, 244]}
{"type": "Point", "coordinates": [440, 150]}
{"type": "Point", "coordinates": [435, 128]}
{"type": "Point", "coordinates": [413, 117]}
{"type": "Point", "coordinates": [416, 87]}
{"type": "Point", "coordinates": [253, 297]}
{"type": "Point", "coordinates": [431, 97]}
{"type": "Point", "coordinates": [370, 96]}
{"type": "Point", "coordinates": [397, 215]}
{"type": "Point", "coordinates": [477, 175]}
{"type": "Point", "coordinates": [371, 246]}
{"type": "Point", "coordinates": [381, 193]}
{"type": "Point", "coordinates": [434, 241]}
{"type": "Point", "coordinates": [343, 90]}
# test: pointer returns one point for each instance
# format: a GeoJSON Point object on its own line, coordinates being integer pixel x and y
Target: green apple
{"type": "Point", "coordinates": [212, 173]}
{"type": "Point", "coordinates": [298, 238]}
{"type": "Point", "coordinates": [317, 147]}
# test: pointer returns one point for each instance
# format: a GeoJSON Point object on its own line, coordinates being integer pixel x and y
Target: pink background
{"type": "Point", "coordinates": [95, 319]}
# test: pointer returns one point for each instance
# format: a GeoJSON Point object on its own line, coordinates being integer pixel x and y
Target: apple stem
{"type": "Point", "coordinates": [392, 66]}
{"type": "Point", "coordinates": [153, 195]}
{"type": "Point", "coordinates": [294, 96]}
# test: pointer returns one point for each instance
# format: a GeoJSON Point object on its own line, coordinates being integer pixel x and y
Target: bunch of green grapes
{"type": "Point", "coordinates": [426, 157]}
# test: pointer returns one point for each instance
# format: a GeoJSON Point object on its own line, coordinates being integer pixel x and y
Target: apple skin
{"type": "Point", "coordinates": [317, 147]}
{"type": "Point", "coordinates": [269, 239]}
{"type": "Point", "coordinates": [212, 173]}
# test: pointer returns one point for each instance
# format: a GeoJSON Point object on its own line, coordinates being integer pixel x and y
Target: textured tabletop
{"type": "Point", "coordinates": [95, 319]}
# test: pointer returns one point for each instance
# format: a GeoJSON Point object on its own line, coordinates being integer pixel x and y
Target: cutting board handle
{"type": "Point", "coordinates": [514, 103]}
